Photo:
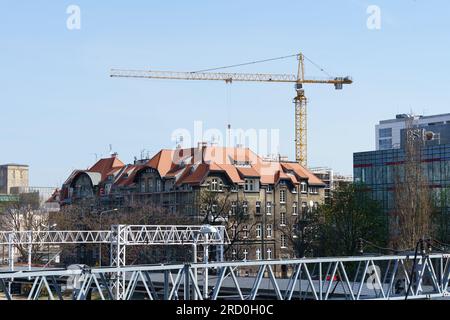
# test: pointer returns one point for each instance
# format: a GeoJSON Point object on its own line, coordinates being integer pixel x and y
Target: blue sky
{"type": "Point", "coordinates": [59, 107]}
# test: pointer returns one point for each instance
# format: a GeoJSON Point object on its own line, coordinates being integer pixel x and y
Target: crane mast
{"type": "Point", "coordinates": [300, 100]}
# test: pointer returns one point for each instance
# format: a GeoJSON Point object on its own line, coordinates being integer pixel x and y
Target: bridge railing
{"type": "Point", "coordinates": [391, 277]}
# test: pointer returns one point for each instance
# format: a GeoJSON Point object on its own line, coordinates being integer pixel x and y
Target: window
{"type": "Point", "coordinates": [158, 185]}
{"type": "Point", "coordinates": [294, 208]}
{"type": "Point", "coordinates": [269, 188]}
{"type": "Point", "coordinates": [245, 254]}
{"type": "Point", "coordinates": [233, 207]}
{"type": "Point", "coordinates": [214, 186]}
{"type": "Point", "coordinates": [269, 231]}
{"type": "Point", "coordinates": [234, 188]}
{"type": "Point", "coordinates": [269, 254]}
{"type": "Point", "coordinates": [283, 196]}
{"type": "Point", "coordinates": [233, 254]}
{"type": "Point", "coordinates": [282, 219]}
{"type": "Point", "coordinates": [313, 190]}
{"type": "Point", "coordinates": [315, 206]}
{"type": "Point", "coordinates": [303, 187]}
{"type": "Point", "coordinates": [150, 185]}
{"type": "Point", "coordinates": [250, 185]}
{"type": "Point", "coordinates": [245, 207]}
{"type": "Point", "coordinates": [234, 231]}
{"type": "Point", "coordinates": [245, 231]}
{"type": "Point", "coordinates": [258, 207]}
{"type": "Point", "coordinates": [385, 144]}
{"type": "Point", "coordinates": [258, 254]}
{"type": "Point", "coordinates": [168, 185]}
{"type": "Point", "coordinates": [258, 231]}
{"type": "Point", "coordinates": [269, 208]}
{"type": "Point", "coordinates": [283, 241]}
{"type": "Point", "coordinates": [304, 207]}
{"type": "Point", "coordinates": [142, 185]}
{"type": "Point", "coordinates": [385, 133]}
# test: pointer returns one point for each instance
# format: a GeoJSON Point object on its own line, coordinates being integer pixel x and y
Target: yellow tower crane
{"type": "Point", "coordinates": [299, 80]}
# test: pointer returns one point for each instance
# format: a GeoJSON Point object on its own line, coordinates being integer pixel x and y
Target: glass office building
{"type": "Point", "coordinates": [378, 171]}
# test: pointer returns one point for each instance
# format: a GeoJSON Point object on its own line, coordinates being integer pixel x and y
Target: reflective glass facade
{"type": "Point", "coordinates": [377, 170]}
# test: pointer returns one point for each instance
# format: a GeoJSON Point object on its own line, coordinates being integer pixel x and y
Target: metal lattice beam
{"type": "Point", "coordinates": [351, 278]}
{"type": "Point", "coordinates": [135, 235]}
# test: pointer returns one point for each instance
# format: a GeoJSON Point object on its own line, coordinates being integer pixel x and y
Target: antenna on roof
{"type": "Point", "coordinates": [111, 153]}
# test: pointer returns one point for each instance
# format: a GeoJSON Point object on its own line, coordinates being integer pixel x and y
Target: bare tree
{"type": "Point", "coordinates": [25, 215]}
{"type": "Point", "coordinates": [411, 219]}
{"type": "Point", "coordinates": [441, 216]}
{"type": "Point", "coordinates": [302, 232]}
{"type": "Point", "coordinates": [83, 217]}
{"type": "Point", "coordinates": [226, 208]}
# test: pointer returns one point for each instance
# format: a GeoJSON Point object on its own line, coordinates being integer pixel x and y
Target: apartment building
{"type": "Point", "coordinates": [271, 195]}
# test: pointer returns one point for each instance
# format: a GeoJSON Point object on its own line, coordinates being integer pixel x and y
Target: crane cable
{"type": "Point", "coordinates": [265, 60]}
{"type": "Point", "coordinates": [245, 63]}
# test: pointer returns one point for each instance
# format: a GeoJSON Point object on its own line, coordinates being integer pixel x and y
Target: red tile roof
{"type": "Point", "coordinates": [236, 163]}
{"type": "Point", "coordinates": [107, 166]}
{"type": "Point", "coordinates": [192, 165]}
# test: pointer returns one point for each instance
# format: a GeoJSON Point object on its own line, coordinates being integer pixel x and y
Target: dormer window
{"type": "Point", "coordinates": [215, 185]}
{"type": "Point", "coordinates": [269, 188]}
{"type": "Point", "coordinates": [303, 187]}
{"type": "Point", "coordinates": [313, 190]}
{"type": "Point", "coordinates": [251, 185]}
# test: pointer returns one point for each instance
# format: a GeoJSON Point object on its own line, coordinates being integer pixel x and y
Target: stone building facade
{"type": "Point", "coordinates": [259, 200]}
{"type": "Point", "coordinates": [13, 176]}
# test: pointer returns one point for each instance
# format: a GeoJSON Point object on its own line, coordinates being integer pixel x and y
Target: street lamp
{"type": "Point", "coordinates": [101, 227]}
{"type": "Point", "coordinates": [206, 230]}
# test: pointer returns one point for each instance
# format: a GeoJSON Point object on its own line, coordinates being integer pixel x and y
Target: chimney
{"type": "Point", "coordinates": [202, 144]}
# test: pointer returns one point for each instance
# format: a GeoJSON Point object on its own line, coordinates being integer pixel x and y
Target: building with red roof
{"type": "Point", "coordinates": [273, 193]}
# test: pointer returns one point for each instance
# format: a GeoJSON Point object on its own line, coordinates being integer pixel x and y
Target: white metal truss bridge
{"type": "Point", "coordinates": [394, 277]}
{"type": "Point", "coordinates": [119, 237]}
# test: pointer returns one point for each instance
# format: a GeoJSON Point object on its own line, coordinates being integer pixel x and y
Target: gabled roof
{"type": "Point", "coordinates": [197, 175]}
{"type": "Point", "coordinates": [193, 165]}
{"type": "Point", "coordinates": [247, 172]}
{"type": "Point", "coordinates": [235, 163]}
{"type": "Point", "coordinates": [303, 173]}
{"type": "Point", "coordinates": [127, 174]}
{"type": "Point", "coordinates": [107, 166]}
